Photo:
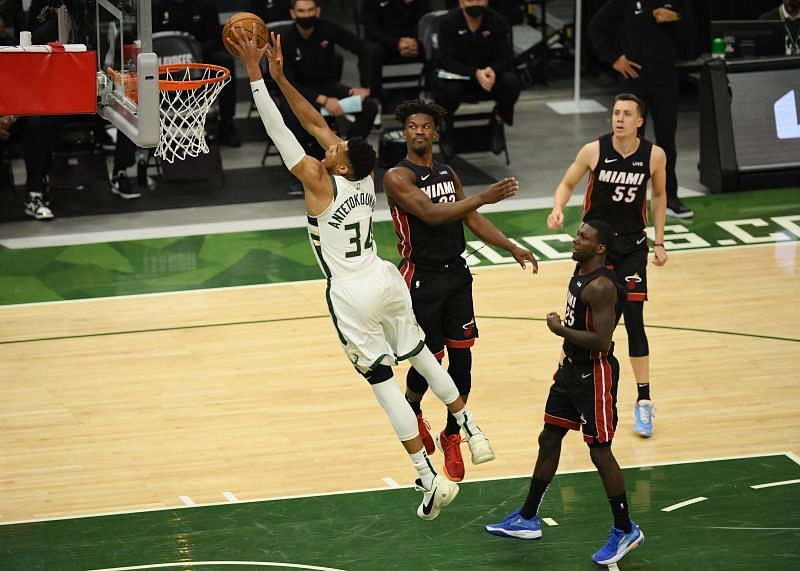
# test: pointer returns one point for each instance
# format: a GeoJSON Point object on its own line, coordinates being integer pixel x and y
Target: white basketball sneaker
{"type": "Point", "coordinates": [441, 493]}
{"type": "Point", "coordinates": [481, 448]}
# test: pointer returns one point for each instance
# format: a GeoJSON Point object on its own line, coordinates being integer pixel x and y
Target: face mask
{"type": "Point", "coordinates": [306, 23]}
{"type": "Point", "coordinates": [475, 11]}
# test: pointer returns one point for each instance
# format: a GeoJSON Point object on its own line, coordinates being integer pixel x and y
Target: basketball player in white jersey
{"type": "Point", "coordinates": [368, 300]}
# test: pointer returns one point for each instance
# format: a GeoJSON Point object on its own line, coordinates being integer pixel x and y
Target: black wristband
{"type": "Point", "coordinates": [658, 244]}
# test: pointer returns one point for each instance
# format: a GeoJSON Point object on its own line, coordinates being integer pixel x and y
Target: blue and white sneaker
{"type": "Point", "coordinates": [517, 526]}
{"type": "Point", "coordinates": [643, 414]}
{"type": "Point", "coordinates": [619, 545]}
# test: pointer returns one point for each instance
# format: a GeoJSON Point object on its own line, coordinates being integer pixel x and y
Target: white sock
{"type": "Point", "coordinates": [424, 468]}
{"type": "Point", "coordinates": [464, 419]}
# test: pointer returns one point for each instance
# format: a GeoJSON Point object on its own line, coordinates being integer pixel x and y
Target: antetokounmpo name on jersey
{"type": "Point", "coordinates": [439, 189]}
{"type": "Point", "coordinates": [621, 177]}
{"type": "Point", "coordinates": [360, 199]}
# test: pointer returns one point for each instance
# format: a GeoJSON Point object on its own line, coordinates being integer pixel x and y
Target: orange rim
{"type": "Point", "coordinates": [181, 85]}
{"type": "Point", "coordinates": [178, 85]}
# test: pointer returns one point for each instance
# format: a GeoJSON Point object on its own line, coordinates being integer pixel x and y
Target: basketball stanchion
{"type": "Point", "coordinates": [187, 92]}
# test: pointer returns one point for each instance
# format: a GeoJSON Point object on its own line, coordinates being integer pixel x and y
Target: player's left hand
{"type": "Point", "coordinates": [247, 49]}
{"type": "Point", "coordinates": [660, 255]}
{"type": "Point", "coordinates": [665, 15]}
{"type": "Point", "coordinates": [521, 255]}
{"type": "Point", "coordinates": [554, 322]}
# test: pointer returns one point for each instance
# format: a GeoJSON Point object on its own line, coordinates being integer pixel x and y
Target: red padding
{"type": "Point", "coordinates": [58, 83]}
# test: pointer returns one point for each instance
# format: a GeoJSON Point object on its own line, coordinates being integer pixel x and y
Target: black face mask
{"type": "Point", "coordinates": [306, 23]}
{"type": "Point", "coordinates": [475, 11]}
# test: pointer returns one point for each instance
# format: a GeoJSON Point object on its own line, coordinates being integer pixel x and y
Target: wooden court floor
{"type": "Point", "coordinates": [132, 403]}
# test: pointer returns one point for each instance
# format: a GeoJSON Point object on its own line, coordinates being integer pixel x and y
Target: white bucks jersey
{"type": "Point", "coordinates": [342, 235]}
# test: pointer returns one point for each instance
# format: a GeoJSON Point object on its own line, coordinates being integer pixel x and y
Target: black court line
{"type": "Point", "coordinates": [287, 319]}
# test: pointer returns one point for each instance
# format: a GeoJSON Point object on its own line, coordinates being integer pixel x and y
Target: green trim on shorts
{"type": "Point", "coordinates": [333, 314]}
{"type": "Point", "coordinates": [415, 351]}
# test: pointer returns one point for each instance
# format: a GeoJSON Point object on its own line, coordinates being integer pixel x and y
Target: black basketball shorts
{"type": "Point", "coordinates": [629, 258]}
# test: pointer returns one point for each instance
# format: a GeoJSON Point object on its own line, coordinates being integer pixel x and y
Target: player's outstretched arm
{"type": "Point", "coordinates": [585, 160]}
{"type": "Point", "coordinates": [658, 202]}
{"type": "Point", "coordinates": [488, 233]}
{"type": "Point", "coordinates": [399, 184]}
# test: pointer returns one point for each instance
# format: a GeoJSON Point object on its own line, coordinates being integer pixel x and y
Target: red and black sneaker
{"type": "Point", "coordinates": [450, 445]}
{"type": "Point", "coordinates": [425, 434]}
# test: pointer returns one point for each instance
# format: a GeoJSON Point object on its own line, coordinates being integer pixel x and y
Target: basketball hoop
{"type": "Point", "coordinates": [188, 90]}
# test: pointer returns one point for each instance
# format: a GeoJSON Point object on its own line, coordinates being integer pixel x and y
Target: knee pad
{"type": "Point", "coordinates": [437, 378]}
{"type": "Point", "coordinates": [378, 374]}
{"type": "Point", "coordinates": [460, 368]}
{"type": "Point", "coordinates": [415, 382]}
{"type": "Point", "coordinates": [634, 325]}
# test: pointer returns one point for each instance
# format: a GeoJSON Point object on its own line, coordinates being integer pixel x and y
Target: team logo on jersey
{"type": "Point", "coordinates": [468, 328]}
{"type": "Point", "coordinates": [631, 281]}
{"type": "Point", "coordinates": [583, 419]}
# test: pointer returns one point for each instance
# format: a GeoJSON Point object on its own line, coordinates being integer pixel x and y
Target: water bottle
{"type": "Point", "coordinates": [718, 47]}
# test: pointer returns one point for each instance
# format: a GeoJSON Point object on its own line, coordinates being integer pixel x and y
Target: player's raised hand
{"type": "Point", "coordinates": [501, 190]}
{"type": "Point", "coordinates": [275, 55]}
{"type": "Point", "coordinates": [246, 48]}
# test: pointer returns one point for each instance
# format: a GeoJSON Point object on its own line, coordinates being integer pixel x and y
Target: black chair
{"type": "Point", "coordinates": [471, 131]}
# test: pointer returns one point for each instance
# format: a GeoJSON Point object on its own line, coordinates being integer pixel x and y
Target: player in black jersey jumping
{"type": "Point", "coordinates": [619, 166]}
{"type": "Point", "coordinates": [428, 206]}
{"type": "Point", "coordinates": [584, 393]}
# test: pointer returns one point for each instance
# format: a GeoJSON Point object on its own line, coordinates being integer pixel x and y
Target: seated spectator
{"type": "Point", "coordinates": [474, 44]}
{"type": "Point", "coordinates": [310, 64]}
{"type": "Point", "coordinates": [201, 19]}
{"type": "Point", "coordinates": [789, 13]}
{"type": "Point", "coordinates": [392, 25]}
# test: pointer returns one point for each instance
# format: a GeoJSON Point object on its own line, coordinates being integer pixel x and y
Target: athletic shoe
{"type": "Point", "coordinates": [121, 186]}
{"type": "Point", "coordinates": [450, 445]}
{"type": "Point", "coordinates": [440, 494]}
{"type": "Point", "coordinates": [425, 434]}
{"type": "Point", "coordinates": [678, 209]}
{"type": "Point", "coordinates": [643, 414]}
{"type": "Point", "coordinates": [38, 208]}
{"type": "Point", "coordinates": [619, 545]}
{"type": "Point", "coordinates": [481, 448]}
{"type": "Point", "coordinates": [517, 526]}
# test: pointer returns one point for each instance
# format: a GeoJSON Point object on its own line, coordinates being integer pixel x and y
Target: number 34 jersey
{"type": "Point", "coordinates": [617, 191]}
{"type": "Point", "coordinates": [424, 244]}
{"type": "Point", "coordinates": [342, 235]}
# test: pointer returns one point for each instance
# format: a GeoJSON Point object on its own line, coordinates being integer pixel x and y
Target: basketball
{"type": "Point", "coordinates": [246, 21]}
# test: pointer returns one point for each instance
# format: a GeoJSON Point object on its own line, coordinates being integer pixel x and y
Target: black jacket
{"type": "Point", "coordinates": [386, 21]}
{"type": "Point", "coordinates": [628, 27]}
{"type": "Point", "coordinates": [198, 17]}
{"type": "Point", "coordinates": [462, 52]}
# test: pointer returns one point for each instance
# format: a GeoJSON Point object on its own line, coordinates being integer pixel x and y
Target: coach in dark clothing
{"type": "Point", "coordinates": [392, 24]}
{"type": "Point", "coordinates": [201, 19]}
{"type": "Point", "coordinates": [642, 40]}
{"type": "Point", "coordinates": [474, 43]}
{"type": "Point", "coordinates": [313, 67]}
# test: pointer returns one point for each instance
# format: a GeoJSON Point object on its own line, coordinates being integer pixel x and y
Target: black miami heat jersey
{"type": "Point", "coordinates": [421, 243]}
{"type": "Point", "coordinates": [617, 191]}
{"type": "Point", "coordinates": [578, 315]}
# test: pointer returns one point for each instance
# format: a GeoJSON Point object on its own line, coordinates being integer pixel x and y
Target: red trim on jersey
{"type": "Point", "coordinates": [403, 230]}
{"type": "Point", "coordinates": [460, 344]}
{"type": "Point", "coordinates": [439, 356]}
{"type": "Point", "coordinates": [637, 296]}
{"type": "Point", "coordinates": [587, 198]}
{"type": "Point", "coordinates": [644, 209]}
{"type": "Point", "coordinates": [603, 400]}
{"type": "Point", "coordinates": [407, 272]}
{"type": "Point", "coordinates": [562, 422]}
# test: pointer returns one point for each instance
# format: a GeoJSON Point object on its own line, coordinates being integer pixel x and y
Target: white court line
{"type": "Point", "coordinates": [773, 484]}
{"type": "Point", "coordinates": [232, 563]}
{"type": "Point", "coordinates": [759, 528]}
{"type": "Point", "coordinates": [680, 505]}
{"type": "Point", "coordinates": [187, 501]}
{"type": "Point", "coordinates": [230, 497]}
{"type": "Point", "coordinates": [549, 521]}
{"type": "Point", "coordinates": [391, 482]}
{"type": "Point", "coordinates": [361, 490]}
{"type": "Point", "coordinates": [613, 567]}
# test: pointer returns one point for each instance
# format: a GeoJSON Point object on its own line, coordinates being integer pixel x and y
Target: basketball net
{"type": "Point", "coordinates": [186, 98]}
